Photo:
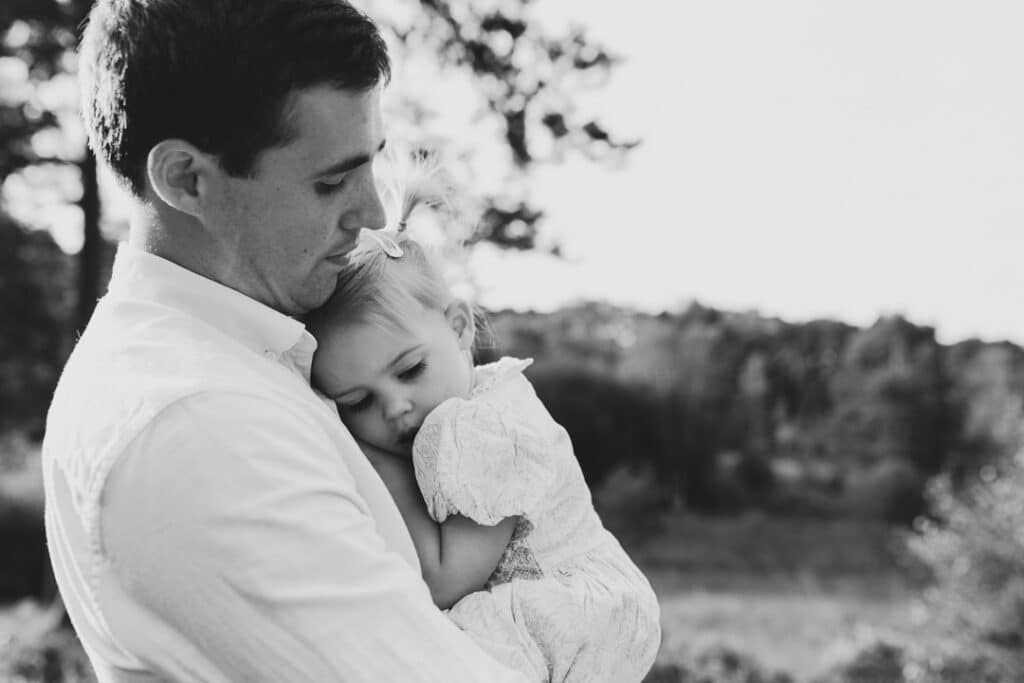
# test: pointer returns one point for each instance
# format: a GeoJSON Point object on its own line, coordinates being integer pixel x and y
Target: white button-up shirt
{"type": "Point", "coordinates": [209, 518]}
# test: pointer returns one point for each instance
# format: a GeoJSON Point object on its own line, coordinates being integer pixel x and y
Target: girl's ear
{"type": "Point", "coordinates": [180, 174]}
{"type": "Point", "coordinates": [460, 317]}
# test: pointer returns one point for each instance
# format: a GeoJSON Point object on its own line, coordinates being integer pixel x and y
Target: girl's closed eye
{"type": "Point", "coordinates": [355, 406]}
{"type": "Point", "coordinates": [413, 371]}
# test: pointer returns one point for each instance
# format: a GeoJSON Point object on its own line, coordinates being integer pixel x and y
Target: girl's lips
{"type": "Point", "coordinates": [406, 437]}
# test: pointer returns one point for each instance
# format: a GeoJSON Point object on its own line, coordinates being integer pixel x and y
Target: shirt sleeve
{"type": "Point", "coordinates": [482, 461]}
{"type": "Point", "coordinates": [243, 532]}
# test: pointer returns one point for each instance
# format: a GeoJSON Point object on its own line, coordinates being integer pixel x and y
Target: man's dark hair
{"type": "Point", "coordinates": [217, 73]}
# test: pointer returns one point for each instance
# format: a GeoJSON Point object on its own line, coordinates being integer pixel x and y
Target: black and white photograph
{"type": "Point", "coordinates": [511, 341]}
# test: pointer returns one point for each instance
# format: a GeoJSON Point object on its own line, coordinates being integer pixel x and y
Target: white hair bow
{"type": "Point", "coordinates": [373, 242]}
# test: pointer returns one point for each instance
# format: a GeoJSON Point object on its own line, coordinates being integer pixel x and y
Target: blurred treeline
{"type": "Point", "coordinates": [725, 412]}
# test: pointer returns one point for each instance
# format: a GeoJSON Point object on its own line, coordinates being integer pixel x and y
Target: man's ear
{"type": "Point", "coordinates": [180, 174]}
{"type": "Point", "coordinates": [460, 317]}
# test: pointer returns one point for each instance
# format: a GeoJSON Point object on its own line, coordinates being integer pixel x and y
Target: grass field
{"type": "Point", "coordinates": [798, 596]}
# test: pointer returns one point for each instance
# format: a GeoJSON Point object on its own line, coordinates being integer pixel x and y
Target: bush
{"type": "Point", "coordinates": [718, 664]}
{"type": "Point", "coordinates": [610, 423]}
{"type": "Point", "coordinates": [35, 308]}
{"type": "Point", "coordinates": [975, 551]}
{"type": "Point", "coordinates": [59, 659]}
{"type": "Point", "coordinates": [890, 491]}
{"type": "Point", "coordinates": [631, 502]}
{"type": "Point", "coordinates": [882, 662]}
{"type": "Point", "coordinates": [879, 662]}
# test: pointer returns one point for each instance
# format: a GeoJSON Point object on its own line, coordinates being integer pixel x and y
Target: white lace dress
{"type": "Point", "coordinates": [565, 603]}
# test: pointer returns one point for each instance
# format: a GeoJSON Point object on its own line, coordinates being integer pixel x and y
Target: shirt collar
{"type": "Point", "coordinates": [140, 275]}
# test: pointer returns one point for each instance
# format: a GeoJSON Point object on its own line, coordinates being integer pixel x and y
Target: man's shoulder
{"type": "Point", "coordinates": [130, 365]}
{"type": "Point", "coordinates": [141, 345]}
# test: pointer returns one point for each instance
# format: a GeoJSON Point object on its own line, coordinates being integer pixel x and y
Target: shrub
{"type": "Point", "coordinates": [717, 664]}
{"type": "Point", "coordinates": [610, 423]}
{"type": "Point", "coordinates": [35, 307]}
{"type": "Point", "coordinates": [975, 551]}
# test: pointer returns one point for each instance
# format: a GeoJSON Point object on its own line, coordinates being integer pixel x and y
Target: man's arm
{"type": "Point", "coordinates": [458, 555]}
{"type": "Point", "coordinates": [230, 522]}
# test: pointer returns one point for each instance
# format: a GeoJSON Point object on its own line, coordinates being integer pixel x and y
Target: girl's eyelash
{"type": "Point", "coordinates": [413, 371]}
{"type": "Point", "coordinates": [410, 373]}
{"type": "Point", "coordinates": [361, 404]}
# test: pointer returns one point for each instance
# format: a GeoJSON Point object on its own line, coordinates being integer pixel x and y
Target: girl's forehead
{"type": "Point", "coordinates": [381, 334]}
{"type": "Point", "coordinates": [357, 353]}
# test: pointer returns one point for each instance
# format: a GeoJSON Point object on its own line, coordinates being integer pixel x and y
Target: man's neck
{"type": "Point", "coordinates": [176, 238]}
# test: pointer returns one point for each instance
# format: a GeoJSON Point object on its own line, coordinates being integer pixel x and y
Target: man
{"type": "Point", "coordinates": [209, 519]}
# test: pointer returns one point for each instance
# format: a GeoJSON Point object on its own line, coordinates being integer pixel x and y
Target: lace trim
{"type": "Point", "coordinates": [517, 561]}
{"type": "Point", "coordinates": [485, 377]}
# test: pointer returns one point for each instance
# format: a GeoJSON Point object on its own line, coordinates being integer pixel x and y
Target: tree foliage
{"type": "Point", "coordinates": [974, 548]}
{"type": "Point", "coordinates": [855, 420]}
{"type": "Point", "coordinates": [35, 311]}
{"type": "Point", "coordinates": [39, 133]}
{"type": "Point", "coordinates": [523, 78]}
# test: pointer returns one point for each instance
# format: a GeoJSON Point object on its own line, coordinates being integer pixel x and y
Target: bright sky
{"type": "Point", "coordinates": [802, 158]}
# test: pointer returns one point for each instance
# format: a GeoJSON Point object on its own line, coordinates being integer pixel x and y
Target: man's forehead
{"type": "Point", "coordinates": [329, 125]}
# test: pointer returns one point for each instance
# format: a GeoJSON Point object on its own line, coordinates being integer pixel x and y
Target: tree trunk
{"type": "Point", "coordinates": [91, 257]}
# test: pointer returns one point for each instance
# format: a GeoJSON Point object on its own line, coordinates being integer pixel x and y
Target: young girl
{"type": "Point", "coordinates": [512, 544]}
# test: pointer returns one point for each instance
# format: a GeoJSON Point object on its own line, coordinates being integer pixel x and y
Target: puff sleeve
{"type": "Point", "coordinates": [480, 460]}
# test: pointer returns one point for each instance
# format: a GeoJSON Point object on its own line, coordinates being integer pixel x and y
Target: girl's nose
{"type": "Point", "coordinates": [396, 407]}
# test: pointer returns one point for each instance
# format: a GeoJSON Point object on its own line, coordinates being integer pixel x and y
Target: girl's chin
{"type": "Point", "coordinates": [400, 449]}
{"type": "Point", "coordinates": [372, 449]}
{"type": "Point", "coordinates": [403, 450]}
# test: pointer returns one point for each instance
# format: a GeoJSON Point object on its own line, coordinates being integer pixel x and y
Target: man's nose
{"type": "Point", "coordinates": [368, 209]}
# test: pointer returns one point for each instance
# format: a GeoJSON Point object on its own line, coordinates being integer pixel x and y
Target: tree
{"type": "Point", "coordinates": [891, 398]}
{"type": "Point", "coordinates": [521, 80]}
{"type": "Point", "coordinates": [38, 133]}
{"type": "Point", "coordinates": [975, 551]}
{"type": "Point", "coordinates": [35, 312]}
{"type": "Point", "coordinates": [988, 390]}
{"type": "Point", "coordinates": [518, 81]}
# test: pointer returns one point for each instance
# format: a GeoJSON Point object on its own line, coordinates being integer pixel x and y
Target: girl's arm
{"type": "Point", "coordinates": [457, 556]}
{"type": "Point", "coordinates": [462, 557]}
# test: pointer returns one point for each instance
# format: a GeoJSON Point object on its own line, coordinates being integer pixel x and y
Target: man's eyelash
{"type": "Point", "coordinates": [326, 188]}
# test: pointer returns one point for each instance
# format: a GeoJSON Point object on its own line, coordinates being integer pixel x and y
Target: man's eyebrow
{"type": "Point", "coordinates": [346, 165]}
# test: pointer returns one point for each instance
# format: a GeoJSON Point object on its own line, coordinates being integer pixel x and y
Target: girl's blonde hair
{"type": "Point", "coordinates": [381, 288]}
